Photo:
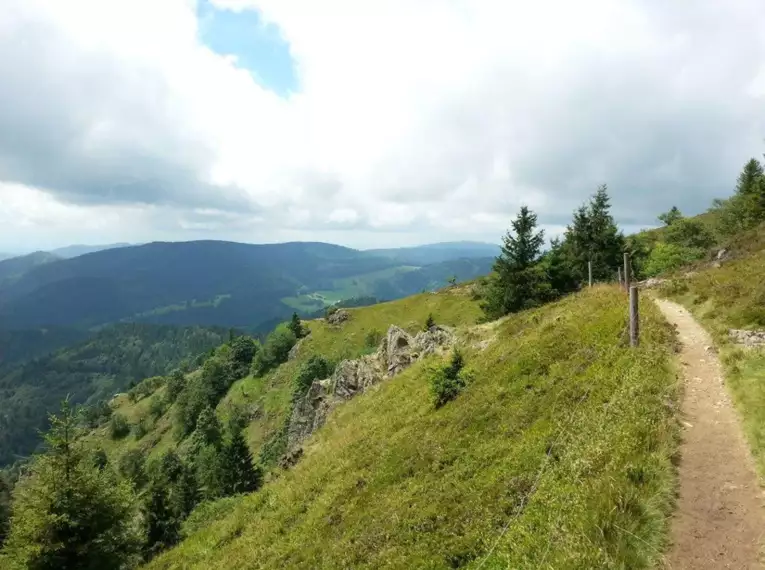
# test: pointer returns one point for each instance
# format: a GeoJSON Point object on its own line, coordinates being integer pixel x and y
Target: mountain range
{"type": "Point", "coordinates": [218, 283]}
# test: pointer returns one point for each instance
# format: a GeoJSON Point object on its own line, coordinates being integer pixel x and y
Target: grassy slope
{"type": "Point", "coordinates": [557, 455]}
{"type": "Point", "coordinates": [733, 296]}
{"type": "Point", "coordinates": [269, 397]}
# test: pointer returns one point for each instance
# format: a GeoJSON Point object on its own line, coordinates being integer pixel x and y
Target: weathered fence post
{"type": "Point", "coordinates": [627, 272]}
{"type": "Point", "coordinates": [619, 274]}
{"type": "Point", "coordinates": [634, 317]}
{"type": "Point", "coordinates": [589, 271]}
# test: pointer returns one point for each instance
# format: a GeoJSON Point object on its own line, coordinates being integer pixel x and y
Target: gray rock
{"type": "Point", "coordinates": [747, 338]}
{"type": "Point", "coordinates": [338, 317]}
{"type": "Point", "coordinates": [397, 351]}
{"type": "Point", "coordinates": [722, 255]}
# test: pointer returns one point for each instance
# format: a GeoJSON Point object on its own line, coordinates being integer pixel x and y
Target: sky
{"type": "Point", "coordinates": [369, 123]}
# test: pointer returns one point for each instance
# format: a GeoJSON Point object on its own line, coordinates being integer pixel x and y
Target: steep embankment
{"type": "Point", "coordinates": [557, 453]}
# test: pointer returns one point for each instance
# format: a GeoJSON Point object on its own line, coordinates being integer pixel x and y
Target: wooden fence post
{"type": "Point", "coordinates": [619, 274]}
{"type": "Point", "coordinates": [627, 272]}
{"type": "Point", "coordinates": [589, 271]}
{"type": "Point", "coordinates": [634, 317]}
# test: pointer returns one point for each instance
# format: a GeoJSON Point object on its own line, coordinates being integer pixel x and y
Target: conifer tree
{"type": "Point", "coordinates": [670, 217]}
{"type": "Point", "coordinates": [296, 326]}
{"type": "Point", "coordinates": [519, 281]}
{"type": "Point", "coordinates": [240, 475]}
{"type": "Point", "coordinates": [162, 525]}
{"type": "Point", "coordinates": [69, 514]}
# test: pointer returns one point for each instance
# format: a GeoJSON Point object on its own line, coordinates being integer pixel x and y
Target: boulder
{"type": "Point", "coordinates": [338, 317]}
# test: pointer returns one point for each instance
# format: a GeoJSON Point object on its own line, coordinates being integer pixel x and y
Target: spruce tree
{"type": "Point", "coordinates": [296, 326]}
{"type": "Point", "coordinates": [748, 180]}
{"type": "Point", "coordinates": [240, 475]}
{"type": "Point", "coordinates": [185, 494]}
{"type": "Point", "coordinates": [519, 281]}
{"type": "Point", "coordinates": [69, 514]}
{"type": "Point", "coordinates": [162, 525]}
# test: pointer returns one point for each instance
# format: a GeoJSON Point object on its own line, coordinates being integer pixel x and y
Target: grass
{"type": "Point", "coordinates": [556, 455]}
{"type": "Point", "coordinates": [733, 296]}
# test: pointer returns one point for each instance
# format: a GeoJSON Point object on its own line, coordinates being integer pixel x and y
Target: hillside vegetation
{"type": "Point", "coordinates": [557, 453]}
{"type": "Point", "coordinates": [93, 370]}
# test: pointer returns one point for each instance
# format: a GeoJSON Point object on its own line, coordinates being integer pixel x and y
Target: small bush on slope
{"type": "Point", "coordinates": [391, 482]}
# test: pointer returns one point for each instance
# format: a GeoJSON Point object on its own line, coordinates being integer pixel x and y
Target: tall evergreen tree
{"type": "Point", "coordinates": [162, 524]}
{"type": "Point", "coordinates": [748, 180]}
{"type": "Point", "coordinates": [240, 475]}
{"type": "Point", "coordinates": [519, 281]}
{"type": "Point", "coordinates": [594, 237]}
{"type": "Point", "coordinates": [67, 513]}
{"type": "Point", "coordinates": [185, 494]}
{"type": "Point", "coordinates": [296, 326]}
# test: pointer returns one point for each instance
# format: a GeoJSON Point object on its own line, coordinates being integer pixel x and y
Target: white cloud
{"type": "Point", "coordinates": [412, 121]}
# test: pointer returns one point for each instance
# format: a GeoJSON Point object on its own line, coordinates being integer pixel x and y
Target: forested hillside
{"type": "Point", "coordinates": [213, 283]}
{"type": "Point", "coordinates": [89, 372]}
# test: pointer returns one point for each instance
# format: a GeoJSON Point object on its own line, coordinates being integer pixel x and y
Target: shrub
{"type": "Point", "coordinates": [140, 429]}
{"type": "Point", "coordinates": [275, 351]}
{"type": "Point", "coordinates": [430, 322]}
{"type": "Point", "coordinates": [446, 382]}
{"type": "Point", "coordinates": [118, 427]}
{"type": "Point", "coordinates": [316, 368]}
{"type": "Point", "coordinates": [373, 338]}
{"type": "Point", "coordinates": [132, 467]}
{"type": "Point", "coordinates": [667, 257]}
{"type": "Point", "coordinates": [157, 407]}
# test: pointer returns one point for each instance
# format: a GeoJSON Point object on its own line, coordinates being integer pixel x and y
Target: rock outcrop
{"type": "Point", "coordinates": [747, 338]}
{"type": "Point", "coordinates": [397, 351]}
{"type": "Point", "coordinates": [338, 317]}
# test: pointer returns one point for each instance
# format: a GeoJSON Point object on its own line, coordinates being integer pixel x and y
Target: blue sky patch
{"type": "Point", "coordinates": [258, 46]}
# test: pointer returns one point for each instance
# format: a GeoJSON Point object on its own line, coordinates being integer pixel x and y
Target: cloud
{"type": "Point", "coordinates": [411, 121]}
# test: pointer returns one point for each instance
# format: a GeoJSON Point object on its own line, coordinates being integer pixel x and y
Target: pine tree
{"type": "Point", "coordinates": [594, 237]}
{"type": "Point", "coordinates": [296, 326]}
{"type": "Point", "coordinates": [430, 322]}
{"type": "Point", "coordinates": [185, 494]}
{"type": "Point", "coordinates": [748, 180]}
{"type": "Point", "coordinates": [519, 281]}
{"type": "Point", "coordinates": [162, 525]}
{"type": "Point", "coordinates": [69, 514]}
{"type": "Point", "coordinates": [240, 475]}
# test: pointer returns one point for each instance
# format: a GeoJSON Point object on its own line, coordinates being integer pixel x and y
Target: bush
{"type": "Point", "coordinates": [132, 467]}
{"type": "Point", "coordinates": [667, 257]}
{"type": "Point", "coordinates": [448, 381]}
{"type": "Point", "coordinates": [118, 427]}
{"type": "Point", "coordinates": [316, 368]}
{"type": "Point", "coordinates": [157, 407]}
{"type": "Point", "coordinates": [140, 429]}
{"type": "Point", "coordinates": [430, 322]}
{"type": "Point", "coordinates": [373, 338]}
{"type": "Point", "coordinates": [275, 351]}
{"type": "Point", "coordinates": [690, 233]}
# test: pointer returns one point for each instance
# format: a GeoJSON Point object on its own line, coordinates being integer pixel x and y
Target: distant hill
{"type": "Point", "coordinates": [19, 345]}
{"type": "Point", "coordinates": [438, 252]}
{"type": "Point", "coordinates": [87, 372]}
{"type": "Point", "coordinates": [76, 250]}
{"type": "Point", "coordinates": [214, 283]}
{"type": "Point", "coordinates": [15, 267]}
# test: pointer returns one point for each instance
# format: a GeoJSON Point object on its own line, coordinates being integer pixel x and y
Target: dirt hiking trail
{"type": "Point", "coordinates": [719, 521]}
